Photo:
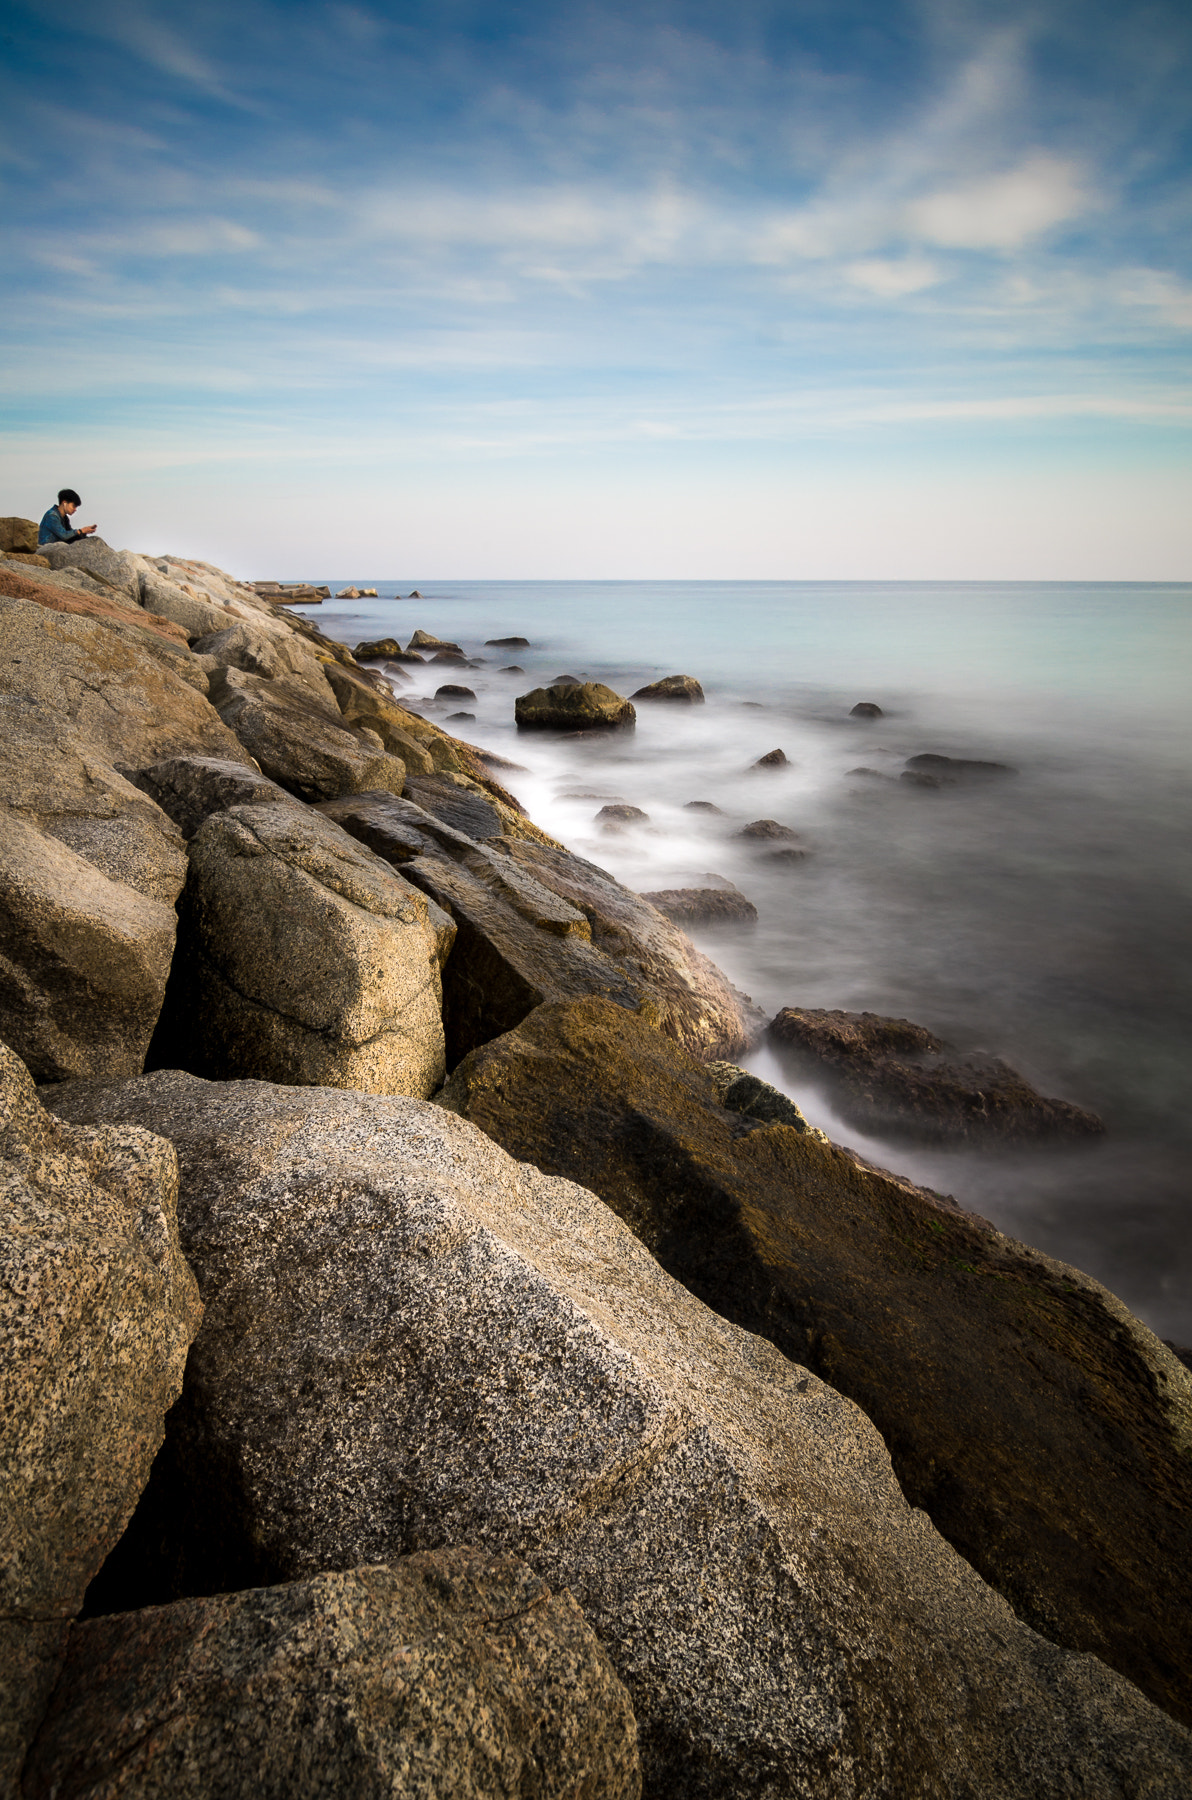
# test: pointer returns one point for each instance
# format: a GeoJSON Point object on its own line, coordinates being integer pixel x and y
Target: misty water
{"type": "Point", "coordinates": [1043, 916]}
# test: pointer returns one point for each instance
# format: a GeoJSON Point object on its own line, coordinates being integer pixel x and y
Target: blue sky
{"type": "Point", "coordinates": [836, 288]}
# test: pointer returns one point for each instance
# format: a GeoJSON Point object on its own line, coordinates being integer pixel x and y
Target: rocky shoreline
{"type": "Point", "coordinates": [432, 1365]}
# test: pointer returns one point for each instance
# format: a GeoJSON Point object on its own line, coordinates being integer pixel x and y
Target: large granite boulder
{"type": "Point", "coordinates": [59, 594]}
{"type": "Point", "coordinates": [1044, 1429]}
{"type": "Point", "coordinates": [455, 1674]}
{"type": "Point", "coordinates": [119, 570]}
{"type": "Point", "coordinates": [19, 535]}
{"type": "Point", "coordinates": [301, 958]}
{"type": "Point", "coordinates": [572, 706]}
{"type": "Point", "coordinates": [704, 906]}
{"type": "Point", "coordinates": [190, 788]}
{"type": "Point", "coordinates": [86, 916]}
{"type": "Point", "coordinates": [300, 743]}
{"type": "Point", "coordinates": [276, 653]}
{"type": "Point", "coordinates": [892, 1076]}
{"type": "Point", "coordinates": [411, 1340]}
{"type": "Point", "coordinates": [97, 1308]}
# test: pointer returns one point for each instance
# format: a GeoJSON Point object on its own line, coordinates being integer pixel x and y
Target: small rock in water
{"type": "Point", "coordinates": [348, 593]}
{"type": "Point", "coordinates": [625, 815]}
{"type": "Point", "coordinates": [755, 705]}
{"type": "Point", "coordinates": [367, 594]}
{"type": "Point", "coordinates": [509, 643]}
{"type": "Point", "coordinates": [513, 669]}
{"type": "Point", "coordinates": [586, 706]}
{"type": "Point", "coordinates": [424, 640]}
{"type": "Point", "coordinates": [460, 718]}
{"type": "Point", "coordinates": [452, 691]}
{"type": "Point", "coordinates": [710, 906]}
{"type": "Point", "coordinates": [928, 770]}
{"type": "Point", "coordinates": [376, 648]}
{"type": "Point", "coordinates": [684, 688]}
{"type": "Point", "coordinates": [455, 657]}
{"type": "Point", "coordinates": [768, 831]}
{"type": "Point", "coordinates": [871, 774]}
{"type": "Point", "coordinates": [415, 595]}
{"type": "Point", "coordinates": [702, 806]}
{"type": "Point", "coordinates": [567, 681]}
{"type": "Point", "coordinates": [773, 759]}
{"type": "Point", "coordinates": [866, 709]}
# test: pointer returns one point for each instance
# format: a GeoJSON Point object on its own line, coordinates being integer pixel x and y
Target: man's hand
{"type": "Point", "coordinates": [84, 530]}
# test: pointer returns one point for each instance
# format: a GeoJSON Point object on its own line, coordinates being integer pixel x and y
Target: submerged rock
{"type": "Point", "coordinates": [704, 906]}
{"type": "Point", "coordinates": [895, 1076]}
{"type": "Point", "coordinates": [705, 806]}
{"type": "Point", "coordinates": [621, 814]}
{"type": "Point", "coordinates": [452, 690]}
{"type": "Point", "coordinates": [866, 709]}
{"type": "Point", "coordinates": [507, 643]}
{"type": "Point", "coordinates": [929, 770]}
{"type": "Point", "coordinates": [682, 688]}
{"type": "Point", "coordinates": [411, 1339]}
{"type": "Point", "coordinates": [773, 759]}
{"type": "Point", "coordinates": [767, 831]}
{"type": "Point", "coordinates": [453, 1672]}
{"type": "Point", "coordinates": [98, 1310]}
{"type": "Point", "coordinates": [1043, 1429]}
{"type": "Point", "coordinates": [568, 706]}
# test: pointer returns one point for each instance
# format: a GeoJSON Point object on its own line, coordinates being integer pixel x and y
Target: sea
{"type": "Point", "coordinates": [1042, 916]}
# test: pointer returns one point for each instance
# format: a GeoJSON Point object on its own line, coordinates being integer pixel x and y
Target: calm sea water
{"type": "Point", "coordinates": [1044, 917]}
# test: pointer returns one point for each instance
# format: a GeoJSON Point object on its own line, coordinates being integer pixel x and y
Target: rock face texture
{"type": "Point", "coordinates": [97, 1308]}
{"type": "Point", "coordinates": [301, 958]}
{"type": "Point", "coordinates": [891, 1075]}
{"type": "Point", "coordinates": [703, 906]}
{"type": "Point", "coordinates": [412, 1340]}
{"type": "Point", "coordinates": [454, 1673]}
{"type": "Point", "coordinates": [1044, 1430]}
{"type": "Point", "coordinates": [90, 867]}
{"type": "Point", "coordinates": [682, 688]}
{"type": "Point", "coordinates": [567, 706]}
{"type": "Point", "coordinates": [929, 770]}
{"type": "Point", "coordinates": [190, 788]}
{"type": "Point", "coordinates": [19, 535]}
{"type": "Point", "coordinates": [116, 569]}
{"type": "Point", "coordinates": [300, 742]}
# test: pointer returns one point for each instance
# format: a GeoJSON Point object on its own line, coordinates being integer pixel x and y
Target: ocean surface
{"type": "Point", "coordinates": [1044, 916]}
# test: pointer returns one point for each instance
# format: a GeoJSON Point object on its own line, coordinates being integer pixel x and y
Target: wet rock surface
{"type": "Point", "coordinates": [574, 706]}
{"type": "Point", "coordinates": [773, 759]}
{"type": "Point", "coordinates": [704, 906]}
{"type": "Point", "coordinates": [929, 770]}
{"type": "Point", "coordinates": [893, 1076]}
{"type": "Point", "coordinates": [683, 689]}
{"type": "Point", "coordinates": [866, 709]}
{"type": "Point", "coordinates": [1040, 1426]}
{"type": "Point", "coordinates": [454, 1673]}
{"type": "Point", "coordinates": [377, 1273]}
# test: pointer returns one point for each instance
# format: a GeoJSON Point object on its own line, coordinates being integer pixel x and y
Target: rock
{"type": "Point", "coordinates": [451, 658]}
{"type": "Point", "coordinates": [1037, 1423]}
{"type": "Point", "coordinates": [19, 535]}
{"type": "Point", "coordinates": [453, 691]}
{"type": "Point", "coordinates": [893, 1076]}
{"type": "Point", "coordinates": [103, 606]}
{"type": "Point", "coordinates": [461, 718]}
{"type": "Point", "coordinates": [952, 771]}
{"type": "Point", "coordinates": [773, 759]}
{"type": "Point", "coordinates": [561, 707]}
{"type": "Point", "coordinates": [277, 657]}
{"type": "Point", "coordinates": [414, 594]}
{"type": "Point", "coordinates": [767, 831]}
{"type": "Point", "coordinates": [301, 958]}
{"type": "Point", "coordinates": [395, 672]}
{"type": "Point", "coordinates": [454, 1672]}
{"type": "Point", "coordinates": [368, 593]}
{"type": "Point", "coordinates": [348, 593]}
{"type": "Point", "coordinates": [422, 640]}
{"type": "Point", "coordinates": [196, 616]}
{"type": "Point", "coordinates": [513, 669]}
{"type": "Point", "coordinates": [299, 743]}
{"type": "Point", "coordinates": [870, 774]}
{"type": "Point", "coordinates": [625, 815]}
{"type": "Point", "coordinates": [704, 906]}
{"type": "Point", "coordinates": [683, 688]}
{"type": "Point", "coordinates": [567, 681]}
{"type": "Point", "coordinates": [190, 788]}
{"type": "Point", "coordinates": [363, 703]}
{"type": "Point", "coordinates": [115, 569]}
{"type": "Point", "coordinates": [412, 1340]}
{"type": "Point", "coordinates": [741, 1092]}
{"type": "Point", "coordinates": [866, 709]}
{"type": "Point", "coordinates": [98, 1310]}
{"type": "Point", "coordinates": [91, 866]}
{"type": "Point", "coordinates": [507, 643]}
{"type": "Point", "coordinates": [702, 806]}
{"type": "Point", "coordinates": [377, 647]}
{"type": "Point", "coordinates": [690, 999]}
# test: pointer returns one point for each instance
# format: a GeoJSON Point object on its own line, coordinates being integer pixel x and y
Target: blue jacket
{"type": "Point", "coordinates": [54, 529]}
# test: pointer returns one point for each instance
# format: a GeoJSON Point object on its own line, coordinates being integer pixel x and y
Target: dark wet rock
{"type": "Point", "coordinates": [767, 831]}
{"type": "Point", "coordinates": [742, 1092]}
{"type": "Point", "coordinates": [513, 669]}
{"type": "Point", "coordinates": [1182, 1351]}
{"type": "Point", "coordinates": [894, 1076]}
{"type": "Point", "coordinates": [866, 709]}
{"type": "Point", "coordinates": [682, 688]}
{"type": "Point", "coordinates": [704, 906]}
{"type": "Point", "coordinates": [448, 1346]}
{"type": "Point", "coordinates": [586, 705]}
{"type": "Point", "coordinates": [753, 705]}
{"type": "Point", "coordinates": [414, 594]}
{"type": "Point", "coordinates": [620, 814]}
{"type": "Point", "coordinates": [461, 718]}
{"type": "Point", "coordinates": [408, 656]}
{"type": "Point", "coordinates": [422, 640]}
{"type": "Point", "coordinates": [507, 643]}
{"type": "Point", "coordinates": [870, 774]}
{"type": "Point", "coordinates": [98, 1310]}
{"type": "Point", "coordinates": [190, 788]}
{"type": "Point", "coordinates": [567, 681]}
{"type": "Point", "coordinates": [454, 659]}
{"type": "Point", "coordinates": [929, 770]}
{"type": "Point", "coordinates": [458, 1668]}
{"type": "Point", "coordinates": [1042, 1428]}
{"type": "Point", "coordinates": [704, 806]}
{"type": "Point", "coordinates": [452, 690]}
{"type": "Point", "coordinates": [773, 759]}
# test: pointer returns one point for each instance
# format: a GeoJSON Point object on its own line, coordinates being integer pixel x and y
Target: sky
{"type": "Point", "coordinates": [829, 289]}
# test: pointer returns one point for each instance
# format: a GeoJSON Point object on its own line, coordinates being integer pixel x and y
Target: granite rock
{"type": "Point", "coordinates": [703, 906]}
{"type": "Point", "coordinates": [300, 743]}
{"type": "Point", "coordinates": [578, 706]}
{"type": "Point", "coordinates": [19, 535]}
{"type": "Point", "coordinates": [684, 689]}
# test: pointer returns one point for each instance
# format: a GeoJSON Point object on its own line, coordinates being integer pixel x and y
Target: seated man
{"type": "Point", "coordinates": [54, 529]}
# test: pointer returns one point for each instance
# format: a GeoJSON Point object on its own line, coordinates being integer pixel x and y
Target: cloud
{"type": "Point", "coordinates": [1003, 211]}
{"type": "Point", "coordinates": [891, 279]}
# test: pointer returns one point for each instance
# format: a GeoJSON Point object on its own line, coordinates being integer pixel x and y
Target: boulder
{"type": "Point", "coordinates": [301, 958]}
{"type": "Point", "coordinates": [453, 1673]}
{"type": "Point", "coordinates": [620, 814]}
{"type": "Point", "coordinates": [196, 616]}
{"type": "Point", "coordinates": [929, 770]}
{"type": "Point", "coordinates": [1041, 1427]}
{"type": "Point", "coordinates": [64, 598]}
{"type": "Point", "coordinates": [97, 1309]}
{"type": "Point", "coordinates": [866, 709]}
{"type": "Point", "coordinates": [19, 535]}
{"type": "Point", "coordinates": [742, 1092]}
{"type": "Point", "coordinates": [704, 806]}
{"type": "Point", "coordinates": [377, 647]}
{"type": "Point", "coordinates": [190, 788]}
{"type": "Point", "coordinates": [454, 659]}
{"type": "Point", "coordinates": [452, 690]}
{"type": "Point", "coordinates": [773, 759]}
{"type": "Point", "coordinates": [421, 746]}
{"type": "Point", "coordinates": [895, 1077]}
{"type": "Point", "coordinates": [348, 593]}
{"type": "Point", "coordinates": [422, 640]}
{"type": "Point", "coordinates": [300, 743]}
{"type": "Point", "coordinates": [586, 706]}
{"type": "Point", "coordinates": [507, 643]}
{"type": "Point", "coordinates": [767, 831]}
{"type": "Point", "coordinates": [703, 906]}
{"type": "Point", "coordinates": [461, 718]}
{"type": "Point", "coordinates": [279, 656]}
{"type": "Point", "coordinates": [682, 688]}
{"type": "Point", "coordinates": [119, 570]}
{"type": "Point", "coordinates": [411, 1339]}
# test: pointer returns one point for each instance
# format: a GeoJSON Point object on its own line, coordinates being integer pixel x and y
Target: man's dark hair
{"type": "Point", "coordinates": [70, 497]}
